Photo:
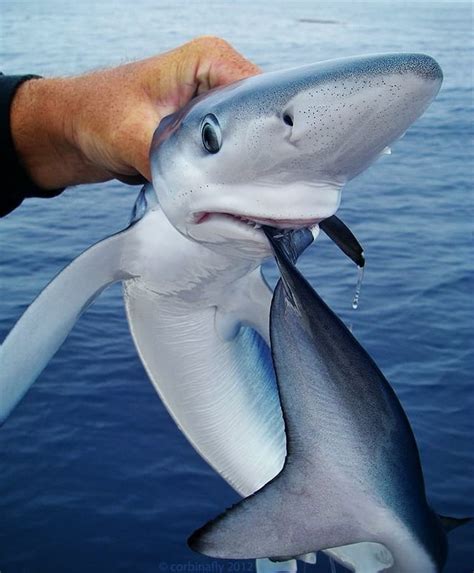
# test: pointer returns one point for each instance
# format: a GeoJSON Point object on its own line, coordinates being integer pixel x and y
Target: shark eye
{"type": "Point", "coordinates": [211, 133]}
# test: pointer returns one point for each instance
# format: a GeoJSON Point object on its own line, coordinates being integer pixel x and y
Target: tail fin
{"type": "Point", "coordinates": [45, 324]}
{"type": "Point", "coordinates": [450, 523]}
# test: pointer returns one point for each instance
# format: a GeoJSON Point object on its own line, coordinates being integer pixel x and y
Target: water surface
{"type": "Point", "coordinates": [94, 475]}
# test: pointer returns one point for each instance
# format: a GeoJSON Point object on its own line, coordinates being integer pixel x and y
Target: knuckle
{"type": "Point", "coordinates": [212, 43]}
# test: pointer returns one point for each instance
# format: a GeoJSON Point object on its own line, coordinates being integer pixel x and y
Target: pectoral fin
{"type": "Point", "coordinates": [45, 324]}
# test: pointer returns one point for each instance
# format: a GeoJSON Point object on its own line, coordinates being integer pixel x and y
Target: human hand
{"type": "Point", "coordinates": [99, 126]}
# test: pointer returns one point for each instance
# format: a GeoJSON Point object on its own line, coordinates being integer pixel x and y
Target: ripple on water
{"type": "Point", "coordinates": [95, 476]}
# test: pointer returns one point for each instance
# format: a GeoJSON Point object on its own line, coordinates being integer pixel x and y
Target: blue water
{"type": "Point", "coordinates": [94, 476]}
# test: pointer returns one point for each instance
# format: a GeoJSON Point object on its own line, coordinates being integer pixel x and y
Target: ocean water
{"type": "Point", "coordinates": [94, 475]}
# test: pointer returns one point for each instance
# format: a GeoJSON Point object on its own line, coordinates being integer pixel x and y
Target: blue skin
{"type": "Point", "coordinates": [308, 339]}
{"type": "Point", "coordinates": [391, 454]}
{"type": "Point", "coordinates": [293, 81]}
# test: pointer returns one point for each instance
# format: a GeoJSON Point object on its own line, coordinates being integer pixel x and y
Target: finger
{"type": "Point", "coordinates": [220, 64]}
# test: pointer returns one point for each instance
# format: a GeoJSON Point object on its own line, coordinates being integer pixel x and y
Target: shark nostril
{"type": "Point", "coordinates": [288, 119]}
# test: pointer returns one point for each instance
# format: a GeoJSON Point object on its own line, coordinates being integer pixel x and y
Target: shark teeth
{"type": "Point", "coordinates": [249, 222]}
{"type": "Point", "coordinates": [202, 217]}
{"type": "Point", "coordinates": [285, 226]}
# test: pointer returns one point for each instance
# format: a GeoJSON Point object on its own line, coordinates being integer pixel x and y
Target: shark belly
{"type": "Point", "coordinates": [221, 394]}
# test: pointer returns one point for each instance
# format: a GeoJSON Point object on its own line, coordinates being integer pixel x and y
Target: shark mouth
{"type": "Point", "coordinates": [332, 226]}
{"type": "Point", "coordinates": [258, 222]}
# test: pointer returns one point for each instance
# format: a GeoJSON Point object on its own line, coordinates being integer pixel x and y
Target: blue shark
{"type": "Point", "coordinates": [275, 149]}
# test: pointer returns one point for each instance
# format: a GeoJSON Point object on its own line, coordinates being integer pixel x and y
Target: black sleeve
{"type": "Point", "coordinates": [15, 185]}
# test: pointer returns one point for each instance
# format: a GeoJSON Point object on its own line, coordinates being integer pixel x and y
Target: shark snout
{"type": "Point", "coordinates": [422, 65]}
{"type": "Point", "coordinates": [357, 107]}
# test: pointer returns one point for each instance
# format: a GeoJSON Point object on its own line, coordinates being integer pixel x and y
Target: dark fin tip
{"type": "Point", "coordinates": [344, 238]}
{"type": "Point", "coordinates": [195, 540]}
{"type": "Point", "coordinates": [450, 523]}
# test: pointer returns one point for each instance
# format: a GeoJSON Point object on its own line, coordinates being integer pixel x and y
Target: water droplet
{"type": "Point", "coordinates": [360, 276]}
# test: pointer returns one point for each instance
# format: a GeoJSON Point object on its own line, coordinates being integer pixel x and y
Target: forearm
{"type": "Point", "coordinates": [16, 182]}
{"type": "Point", "coordinates": [40, 131]}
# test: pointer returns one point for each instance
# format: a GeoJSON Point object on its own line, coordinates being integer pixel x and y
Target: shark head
{"type": "Point", "coordinates": [276, 149]}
